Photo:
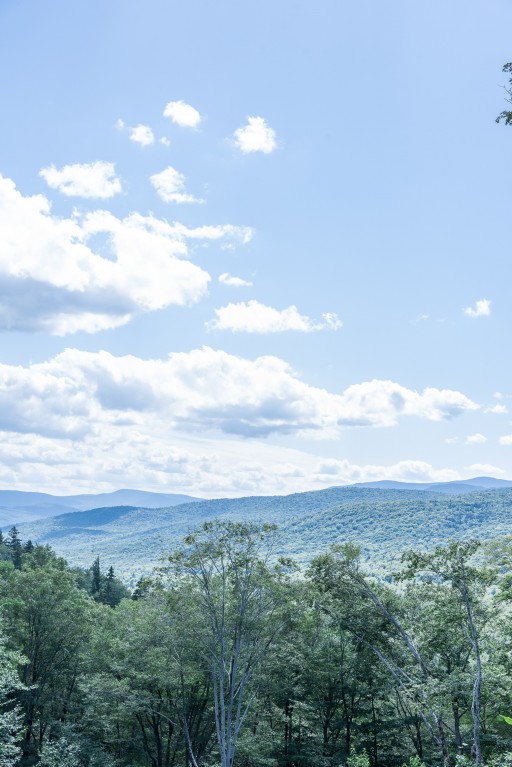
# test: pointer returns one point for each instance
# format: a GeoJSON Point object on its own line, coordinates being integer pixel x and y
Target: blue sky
{"type": "Point", "coordinates": [340, 158]}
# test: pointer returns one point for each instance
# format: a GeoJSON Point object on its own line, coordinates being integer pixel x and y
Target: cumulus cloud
{"type": "Point", "coordinates": [482, 308]}
{"type": "Point", "coordinates": [142, 134]}
{"type": "Point", "coordinates": [380, 403]}
{"type": "Point", "coordinates": [476, 439]}
{"type": "Point", "coordinates": [94, 271]}
{"type": "Point", "coordinates": [182, 114]}
{"type": "Point", "coordinates": [256, 136]}
{"type": "Point", "coordinates": [151, 456]}
{"type": "Point", "coordinates": [91, 180]}
{"type": "Point", "coordinates": [497, 409]}
{"type": "Point", "coordinates": [404, 471]}
{"type": "Point", "coordinates": [506, 439]}
{"type": "Point", "coordinates": [254, 317]}
{"type": "Point", "coordinates": [485, 469]}
{"type": "Point", "coordinates": [170, 186]}
{"type": "Point", "coordinates": [84, 417]}
{"type": "Point", "coordinates": [203, 389]}
{"type": "Point", "coordinates": [234, 282]}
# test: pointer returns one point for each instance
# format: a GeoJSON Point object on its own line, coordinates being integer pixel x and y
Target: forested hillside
{"type": "Point", "coordinates": [383, 522]}
{"type": "Point", "coordinates": [229, 656]}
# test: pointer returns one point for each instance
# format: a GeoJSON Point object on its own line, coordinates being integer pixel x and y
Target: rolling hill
{"type": "Point", "coordinates": [18, 507]}
{"type": "Point", "coordinates": [457, 487]}
{"type": "Point", "coordinates": [385, 522]}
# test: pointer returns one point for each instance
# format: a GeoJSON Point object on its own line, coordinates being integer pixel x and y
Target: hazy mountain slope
{"type": "Point", "coordinates": [127, 498]}
{"type": "Point", "coordinates": [10, 515]}
{"type": "Point", "coordinates": [17, 506]}
{"type": "Point", "coordinates": [387, 527]}
{"type": "Point", "coordinates": [473, 485]}
{"type": "Point", "coordinates": [383, 522]}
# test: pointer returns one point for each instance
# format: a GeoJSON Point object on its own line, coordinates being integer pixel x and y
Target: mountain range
{"type": "Point", "coordinates": [17, 506]}
{"type": "Point", "coordinates": [384, 521]}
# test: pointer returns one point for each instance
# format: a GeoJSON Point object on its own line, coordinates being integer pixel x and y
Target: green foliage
{"type": "Point", "coordinates": [507, 719]}
{"type": "Point", "coordinates": [10, 712]}
{"type": "Point", "coordinates": [228, 655]}
{"type": "Point", "coordinates": [414, 761]}
{"type": "Point", "coordinates": [506, 115]}
{"type": "Point", "coordinates": [60, 753]}
{"type": "Point", "coordinates": [358, 760]}
{"type": "Point", "coordinates": [499, 760]}
{"type": "Point", "coordinates": [384, 523]}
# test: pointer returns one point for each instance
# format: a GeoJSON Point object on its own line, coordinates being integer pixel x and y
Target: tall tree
{"type": "Point", "coordinates": [372, 612]}
{"type": "Point", "coordinates": [10, 712]}
{"type": "Point", "coordinates": [14, 544]}
{"type": "Point", "coordinates": [452, 565]}
{"type": "Point", "coordinates": [49, 620]}
{"type": "Point", "coordinates": [96, 577]}
{"type": "Point", "coordinates": [227, 566]}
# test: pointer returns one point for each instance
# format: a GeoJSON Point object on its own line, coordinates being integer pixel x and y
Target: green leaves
{"type": "Point", "coordinates": [506, 116]}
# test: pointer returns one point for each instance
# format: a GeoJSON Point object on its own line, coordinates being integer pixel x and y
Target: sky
{"type": "Point", "coordinates": [253, 247]}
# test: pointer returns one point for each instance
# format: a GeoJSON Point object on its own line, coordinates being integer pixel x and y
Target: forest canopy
{"type": "Point", "coordinates": [231, 655]}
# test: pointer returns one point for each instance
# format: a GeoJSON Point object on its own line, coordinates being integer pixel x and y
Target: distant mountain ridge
{"type": "Point", "coordinates": [17, 506]}
{"type": "Point", "coordinates": [384, 521]}
{"type": "Point", "coordinates": [474, 485]}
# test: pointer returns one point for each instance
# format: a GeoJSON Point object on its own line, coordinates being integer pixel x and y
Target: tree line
{"type": "Point", "coordinates": [230, 655]}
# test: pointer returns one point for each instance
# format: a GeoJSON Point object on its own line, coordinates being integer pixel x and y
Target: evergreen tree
{"type": "Point", "coordinates": [108, 593]}
{"type": "Point", "coordinates": [96, 577]}
{"type": "Point", "coordinates": [14, 544]}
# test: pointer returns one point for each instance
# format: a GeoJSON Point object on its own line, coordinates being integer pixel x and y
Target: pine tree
{"type": "Point", "coordinates": [108, 596]}
{"type": "Point", "coordinates": [14, 544]}
{"type": "Point", "coordinates": [96, 577]}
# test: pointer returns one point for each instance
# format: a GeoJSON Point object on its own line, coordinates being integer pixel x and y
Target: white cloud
{"type": "Point", "coordinates": [182, 114]}
{"type": "Point", "coordinates": [170, 185]}
{"type": "Point", "coordinates": [142, 134]}
{"type": "Point", "coordinates": [380, 403]}
{"type": "Point", "coordinates": [90, 180]}
{"type": "Point", "coordinates": [152, 457]}
{"type": "Point", "coordinates": [476, 439]}
{"type": "Point", "coordinates": [234, 282]}
{"type": "Point", "coordinates": [482, 308]}
{"type": "Point", "coordinates": [84, 418]}
{"type": "Point", "coordinates": [256, 136]}
{"type": "Point", "coordinates": [77, 392]}
{"type": "Point", "coordinates": [330, 321]}
{"type": "Point", "coordinates": [254, 317]}
{"type": "Point", "coordinates": [497, 409]}
{"type": "Point", "coordinates": [506, 439]}
{"type": "Point", "coordinates": [94, 271]}
{"type": "Point", "coordinates": [120, 124]}
{"type": "Point", "coordinates": [403, 471]}
{"type": "Point", "coordinates": [241, 234]}
{"type": "Point", "coordinates": [485, 469]}
{"type": "Point", "coordinates": [165, 141]}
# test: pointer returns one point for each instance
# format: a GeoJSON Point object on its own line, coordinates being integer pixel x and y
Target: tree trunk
{"type": "Point", "coordinates": [456, 726]}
